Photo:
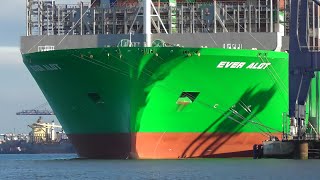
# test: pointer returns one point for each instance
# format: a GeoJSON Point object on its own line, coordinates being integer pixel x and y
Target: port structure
{"type": "Point", "coordinates": [43, 131]}
{"type": "Point", "coordinates": [37, 111]}
{"type": "Point", "coordinates": [304, 62]}
{"type": "Point", "coordinates": [300, 139]}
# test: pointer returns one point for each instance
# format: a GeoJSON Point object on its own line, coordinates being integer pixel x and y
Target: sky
{"type": "Point", "coordinates": [18, 90]}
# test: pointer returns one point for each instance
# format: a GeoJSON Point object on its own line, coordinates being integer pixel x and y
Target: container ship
{"type": "Point", "coordinates": [162, 79]}
{"type": "Point", "coordinates": [42, 139]}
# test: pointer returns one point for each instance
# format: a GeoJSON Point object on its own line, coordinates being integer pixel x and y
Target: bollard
{"type": "Point", "coordinates": [255, 151]}
{"type": "Point", "coordinates": [301, 150]}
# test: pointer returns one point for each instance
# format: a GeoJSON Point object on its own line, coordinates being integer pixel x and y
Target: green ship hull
{"type": "Point", "coordinates": [164, 102]}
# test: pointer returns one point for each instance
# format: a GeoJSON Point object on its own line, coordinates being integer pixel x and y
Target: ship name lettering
{"type": "Point", "coordinates": [37, 68]}
{"type": "Point", "coordinates": [233, 65]}
{"type": "Point", "coordinates": [240, 65]}
{"type": "Point", "coordinates": [258, 65]}
{"type": "Point", "coordinates": [45, 67]}
{"type": "Point", "coordinates": [51, 67]}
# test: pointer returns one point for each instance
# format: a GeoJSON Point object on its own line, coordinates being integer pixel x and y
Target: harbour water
{"type": "Point", "coordinates": [68, 166]}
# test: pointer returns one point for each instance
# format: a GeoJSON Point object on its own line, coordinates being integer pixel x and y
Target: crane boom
{"type": "Point", "coordinates": [47, 125]}
{"type": "Point", "coordinates": [35, 112]}
{"type": "Point", "coordinates": [317, 2]}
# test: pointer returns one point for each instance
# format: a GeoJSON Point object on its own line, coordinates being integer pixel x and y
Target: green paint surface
{"type": "Point", "coordinates": [132, 89]}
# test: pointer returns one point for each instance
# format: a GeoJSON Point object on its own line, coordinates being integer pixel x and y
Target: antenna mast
{"type": "Point", "coordinates": [147, 21]}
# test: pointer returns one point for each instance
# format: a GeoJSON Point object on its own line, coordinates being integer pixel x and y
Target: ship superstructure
{"type": "Point", "coordinates": [121, 17]}
{"type": "Point", "coordinates": [162, 79]}
{"type": "Point", "coordinates": [188, 24]}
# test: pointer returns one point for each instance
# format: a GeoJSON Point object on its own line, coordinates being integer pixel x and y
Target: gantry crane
{"type": "Point", "coordinates": [36, 111]}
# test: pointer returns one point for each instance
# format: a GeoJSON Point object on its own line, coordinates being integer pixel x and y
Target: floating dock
{"type": "Point", "coordinates": [292, 149]}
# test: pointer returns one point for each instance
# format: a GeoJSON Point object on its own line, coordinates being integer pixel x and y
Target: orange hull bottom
{"type": "Point", "coordinates": [166, 145]}
{"type": "Point", "coordinates": [195, 145]}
